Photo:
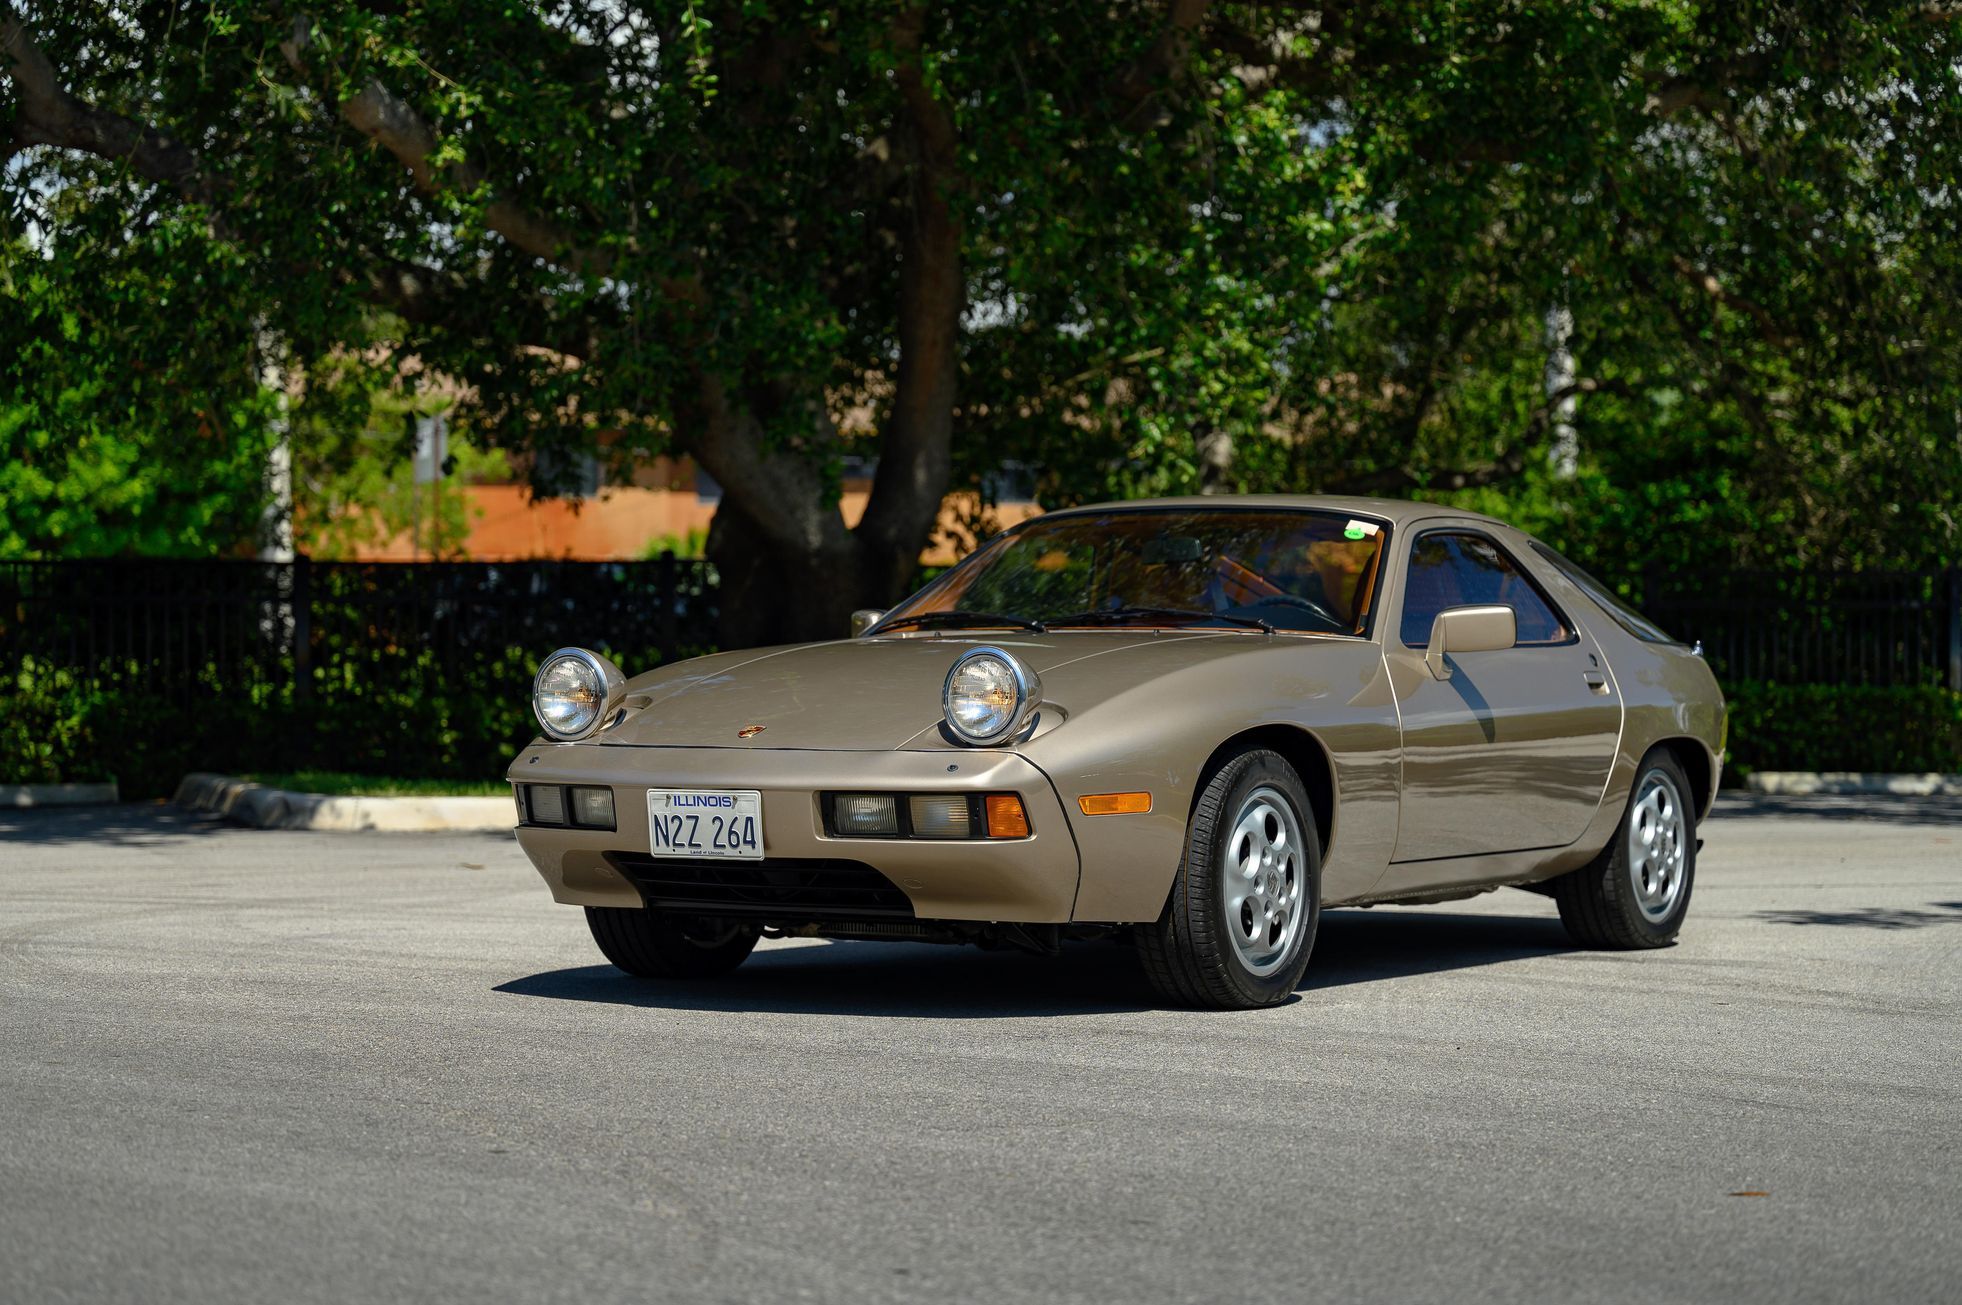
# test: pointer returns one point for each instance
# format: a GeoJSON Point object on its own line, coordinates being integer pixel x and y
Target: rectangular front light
{"type": "Point", "coordinates": [546, 804]}
{"type": "Point", "coordinates": [865, 814]}
{"type": "Point", "coordinates": [940, 817]}
{"type": "Point", "coordinates": [592, 808]}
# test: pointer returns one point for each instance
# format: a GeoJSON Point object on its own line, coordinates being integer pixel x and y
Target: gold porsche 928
{"type": "Point", "coordinates": [1193, 721]}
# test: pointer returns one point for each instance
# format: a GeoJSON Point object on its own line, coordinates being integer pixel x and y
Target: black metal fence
{"type": "Point", "coordinates": [181, 631]}
{"type": "Point", "coordinates": [1882, 628]}
{"type": "Point", "coordinates": [145, 669]}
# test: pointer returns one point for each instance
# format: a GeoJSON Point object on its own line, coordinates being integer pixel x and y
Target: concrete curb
{"type": "Point", "coordinates": [1799, 782]}
{"type": "Point", "coordinates": [58, 795]}
{"type": "Point", "coordinates": [259, 807]}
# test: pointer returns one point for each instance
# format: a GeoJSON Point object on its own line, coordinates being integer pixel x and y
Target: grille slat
{"type": "Point", "coordinates": [780, 887]}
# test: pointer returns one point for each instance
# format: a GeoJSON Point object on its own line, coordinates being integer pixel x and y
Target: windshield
{"type": "Point", "coordinates": [1288, 570]}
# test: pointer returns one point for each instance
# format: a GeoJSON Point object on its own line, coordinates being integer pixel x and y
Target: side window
{"type": "Point", "coordinates": [1607, 599]}
{"type": "Point", "coordinates": [1460, 570]}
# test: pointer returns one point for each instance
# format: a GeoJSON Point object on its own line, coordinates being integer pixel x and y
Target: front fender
{"type": "Point", "coordinates": [1157, 736]}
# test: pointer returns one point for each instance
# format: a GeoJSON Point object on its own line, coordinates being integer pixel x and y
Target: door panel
{"type": "Point", "coordinates": [1510, 753]}
{"type": "Point", "coordinates": [1513, 750]}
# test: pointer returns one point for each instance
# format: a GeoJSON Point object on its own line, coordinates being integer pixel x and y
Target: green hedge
{"type": "Point", "coordinates": [55, 728]}
{"type": "Point", "coordinates": [1842, 727]}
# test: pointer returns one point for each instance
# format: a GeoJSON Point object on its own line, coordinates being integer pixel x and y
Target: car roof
{"type": "Point", "coordinates": [1396, 511]}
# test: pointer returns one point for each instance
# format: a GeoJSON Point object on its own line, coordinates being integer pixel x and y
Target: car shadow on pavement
{"type": "Point", "coordinates": [877, 978]}
{"type": "Point", "coordinates": [1369, 946]}
{"type": "Point", "coordinates": [943, 982]}
{"type": "Point", "coordinates": [1871, 917]}
{"type": "Point", "coordinates": [1881, 808]}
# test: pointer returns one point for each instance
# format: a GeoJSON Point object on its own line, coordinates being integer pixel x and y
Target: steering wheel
{"type": "Point", "coordinates": [1307, 605]}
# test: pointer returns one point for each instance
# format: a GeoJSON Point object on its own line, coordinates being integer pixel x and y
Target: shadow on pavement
{"type": "Point", "coordinates": [129, 822]}
{"type": "Point", "coordinates": [945, 982]}
{"type": "Point", "coordinates": [1367, 946]}
{"type": "Point", "coordinates": [139, 823]}
{"type": "Point", "coordinates": [1871, 917]}
{"type": "Point", "coordinates": [1883, 809]}
{"type": "Point", "coordinates": [877, 979]}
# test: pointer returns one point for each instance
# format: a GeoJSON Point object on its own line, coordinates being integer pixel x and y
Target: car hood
{"type": "Point", "coordinates": [879, 694]}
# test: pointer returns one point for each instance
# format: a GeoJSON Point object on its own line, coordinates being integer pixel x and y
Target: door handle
{"type": "Point", "coordinates": [1595, 681]}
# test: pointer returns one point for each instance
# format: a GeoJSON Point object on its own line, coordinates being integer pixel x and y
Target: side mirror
{"type": "Point", "coordinates": [864, 619]}
{"type": "Point", "coordinates": [1466, 630]}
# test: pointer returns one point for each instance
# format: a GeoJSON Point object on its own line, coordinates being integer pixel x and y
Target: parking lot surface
{"type": "Point", "coordinates": [245, 1066]}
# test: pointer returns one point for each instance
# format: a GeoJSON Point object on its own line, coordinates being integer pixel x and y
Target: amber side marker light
{"type": "Point", "coordinates": [1114, 804]}
{"type": "Point", "coordinates": [1006, 818]}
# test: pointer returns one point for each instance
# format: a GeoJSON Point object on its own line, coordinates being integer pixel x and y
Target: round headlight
{"type": "Point", "coordinates": [573, 692]}
{"type": "Point", "coordinates": [989, 696]}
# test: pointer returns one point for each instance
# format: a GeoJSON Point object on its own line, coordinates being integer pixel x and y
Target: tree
{"type": "Point", "coordinates": [1137, 246]}
{"type": "Point", "coordinates": [355, 481]}
{"type": "Point", "coordinates": [114, 438]}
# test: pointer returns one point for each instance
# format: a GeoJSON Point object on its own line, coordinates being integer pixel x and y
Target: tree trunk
{"type": "Point", "coordinates": [1564, 450]}
{"type": "Point", "coordinates": [771, 594]}
{"type": "Point", "coordinates": [789, 569]}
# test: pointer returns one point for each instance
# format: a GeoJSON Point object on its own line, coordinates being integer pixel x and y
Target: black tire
{"type": "Point", "coordinates": [1190, 954]}
{"type": "Point", "coordinates": [656, 945]}
{"type": "Point", "coordinates": [1609, 902]}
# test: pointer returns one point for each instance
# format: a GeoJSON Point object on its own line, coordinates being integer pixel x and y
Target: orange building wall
{"type": "Point", "coordinates": [619, 523]}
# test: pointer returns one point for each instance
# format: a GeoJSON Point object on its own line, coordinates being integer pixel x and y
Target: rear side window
{"type": "Point", "coordinates": [1466, 570]}
{"type": "Point", "coordinates": [1613, 604]}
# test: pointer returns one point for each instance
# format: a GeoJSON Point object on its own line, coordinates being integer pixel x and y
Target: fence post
{"type": "Point", "coordinates": [670, 584]}
{"type": "Point", "coordinates": [1955, 628]}
{"type": "Point", "coordinates": [302, 628]}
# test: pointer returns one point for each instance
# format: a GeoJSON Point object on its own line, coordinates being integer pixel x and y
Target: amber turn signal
{"type": "Point", "coordinates": [1006, 818]}
{"type": "Point", "coordinates": [1114, 804]}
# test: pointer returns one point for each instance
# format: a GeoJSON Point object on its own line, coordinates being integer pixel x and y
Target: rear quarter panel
{"type": "Point", "coordinates": [1668, 694]}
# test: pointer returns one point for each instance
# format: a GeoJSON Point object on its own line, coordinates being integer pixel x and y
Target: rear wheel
{"type": "Point", "coordinates": [656, 945]}
{"type": "Point", "coordinates": [1244, 908]}
{"type": "Point", "coordinates": [1636, 893]}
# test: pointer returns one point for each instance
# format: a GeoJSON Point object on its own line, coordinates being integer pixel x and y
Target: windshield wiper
{"type": "Point", "coordinates": [1111, 616]}
{"type": "Point", "coordinates": [958, 617]}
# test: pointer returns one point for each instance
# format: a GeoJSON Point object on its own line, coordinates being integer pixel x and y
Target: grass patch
{"type": "Point", "coordinates": [339, 784]}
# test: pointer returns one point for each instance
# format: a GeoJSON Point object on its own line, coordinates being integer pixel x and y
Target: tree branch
{"type": "Point", "coordinates": [1402, 480]}
{"type": "Point", "coordinates": [388, 120]}
{"type": "Point", "coordinates": [1768, 327]}
{"type": "Point", "coordinates": [1509, 465]}
{"type": "Point", "coordinates": [916, 447]}
{"type": "Point", "coordinates": [1135, 88]}
{"type": "Point", "coordinates": [1266, 65]}
{"type": "Point", "coordinates": [1560, 394]}
{"type": "Point", "coordinates": [50, 115]}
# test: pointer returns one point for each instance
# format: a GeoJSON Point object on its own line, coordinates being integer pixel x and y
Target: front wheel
{"type": "Point", "coordinates": [1636, 893]}
{"type": "Point", "coordinates": [651, 944]}
{"type": "Point", "coordinates": [1242, 918]}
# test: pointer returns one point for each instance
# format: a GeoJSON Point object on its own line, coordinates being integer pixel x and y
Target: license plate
{"type": "Point", "coordinates": [705, 822]}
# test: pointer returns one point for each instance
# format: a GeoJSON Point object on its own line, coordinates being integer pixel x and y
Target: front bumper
{"type": "Point", "coordinates": [1029, 880]}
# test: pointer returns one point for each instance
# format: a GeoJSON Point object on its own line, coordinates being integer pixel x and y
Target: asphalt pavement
{"type": "Point", "coordinates": [241, 1065]}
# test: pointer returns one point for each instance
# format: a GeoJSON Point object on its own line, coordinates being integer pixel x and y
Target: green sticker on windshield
{"type": "Point", "coordinates": [1359, 529]}
{"type": "Point", "coordinates": [1353, 532]}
